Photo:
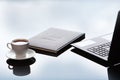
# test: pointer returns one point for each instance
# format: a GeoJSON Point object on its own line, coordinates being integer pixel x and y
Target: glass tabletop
{"type": "Point", "coordinates": [24, 19]}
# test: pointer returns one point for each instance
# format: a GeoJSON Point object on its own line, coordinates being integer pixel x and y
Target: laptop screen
{"type": "Point", "coordinates": [114, 54]}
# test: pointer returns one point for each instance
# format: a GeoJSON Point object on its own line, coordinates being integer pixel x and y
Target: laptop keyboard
{"type": "Point", "coordinates": [101, 50]}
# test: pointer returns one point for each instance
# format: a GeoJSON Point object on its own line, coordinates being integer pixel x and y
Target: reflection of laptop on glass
{"type": "Point", "coordinates": [101, 49]}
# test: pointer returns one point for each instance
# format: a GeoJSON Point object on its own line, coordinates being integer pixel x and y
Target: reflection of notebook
{"type": "Point", "coordinates": [54, 40]}
{"type": "Point", "coordinates": [98, 49]}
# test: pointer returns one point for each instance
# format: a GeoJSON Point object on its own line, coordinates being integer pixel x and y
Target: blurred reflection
{"type": "Point", "coordinates": [114, 73]}
{"type": "Point", "coordinates": [20, 67]}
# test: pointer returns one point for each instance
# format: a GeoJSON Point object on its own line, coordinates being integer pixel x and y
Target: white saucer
{"type": "Point", "coordinates": [29, 54]}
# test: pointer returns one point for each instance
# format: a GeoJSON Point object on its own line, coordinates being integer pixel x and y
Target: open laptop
{"type": "Point", "coordinates": [104, 49]}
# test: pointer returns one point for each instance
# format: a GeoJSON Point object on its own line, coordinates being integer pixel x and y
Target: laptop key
{"type": "Point", "coordinates": [101, 50]}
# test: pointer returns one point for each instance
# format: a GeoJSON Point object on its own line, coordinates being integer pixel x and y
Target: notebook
{"type": "Point", "coordinates": [54, 41]}
{"type": "Point", "coordinates": [104, 49]}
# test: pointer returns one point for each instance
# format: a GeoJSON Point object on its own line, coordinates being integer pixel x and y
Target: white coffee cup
{"type": "Point", "coordinates": [19, 46]}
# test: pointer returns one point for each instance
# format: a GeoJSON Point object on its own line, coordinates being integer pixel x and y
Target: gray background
{"type": "Point", "coordinates": [26, 18]}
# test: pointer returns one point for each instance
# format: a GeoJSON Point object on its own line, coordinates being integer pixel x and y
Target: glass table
{"type": "Point", "coordinates": [24, 19]}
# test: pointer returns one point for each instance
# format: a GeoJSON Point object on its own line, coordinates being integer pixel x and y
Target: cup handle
{"type": "Point", "coordinates": [9, 45]}
{"type": "Point", "coordinates": [10, 67]}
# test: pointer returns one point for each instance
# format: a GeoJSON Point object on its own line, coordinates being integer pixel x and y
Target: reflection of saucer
{"type": "Point", "coordinates": [20, 67]}
{"type": "Point", "coordinates": [23, 62]}
{"type": "Point", "coordinates": [29, 54]}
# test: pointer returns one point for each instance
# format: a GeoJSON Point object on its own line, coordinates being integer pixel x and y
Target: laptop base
{"type": "Point", "coordinates": [91, 57]}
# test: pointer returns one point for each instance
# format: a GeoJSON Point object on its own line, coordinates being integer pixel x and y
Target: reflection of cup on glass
{"type": "Point", "coordinates": [20, 67]}
{"type": "Point", "coordinates": [20, 70]}
{"type": "Point", "coordinates": [19, 46]}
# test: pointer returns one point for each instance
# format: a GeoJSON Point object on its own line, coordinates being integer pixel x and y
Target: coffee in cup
{"type": "Point", "coordinates": [19, 46]}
